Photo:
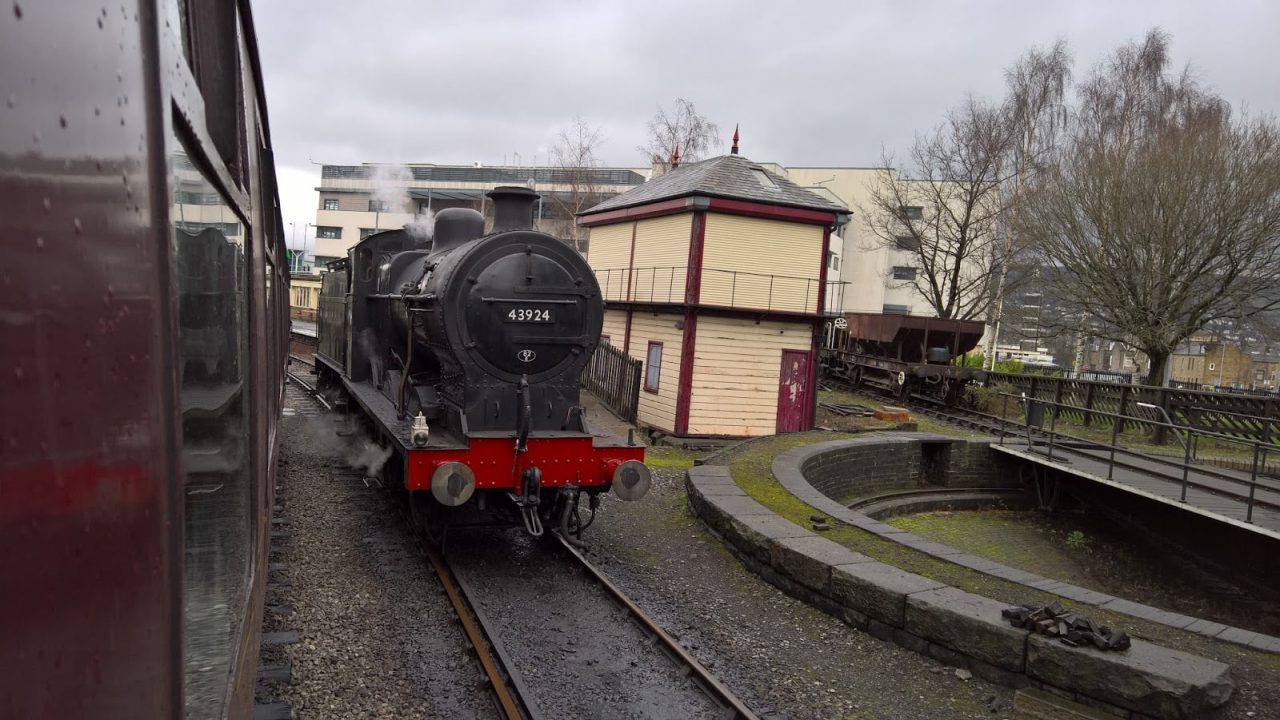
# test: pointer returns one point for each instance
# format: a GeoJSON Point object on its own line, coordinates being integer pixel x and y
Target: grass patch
{"type": "Point", "coordinates": [751, 468]}
{"type": "Point", "coordinates": [668, 458]}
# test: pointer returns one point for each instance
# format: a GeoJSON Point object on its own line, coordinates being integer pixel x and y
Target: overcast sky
{"type": "Point", "coordinates": [811, 83]}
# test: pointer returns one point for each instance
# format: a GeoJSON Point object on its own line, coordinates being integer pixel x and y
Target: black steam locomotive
{"type": "Point", "coordinates": [462, 353]}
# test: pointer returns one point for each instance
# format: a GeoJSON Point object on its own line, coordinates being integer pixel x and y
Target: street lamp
{"type": "Point", "coordinates": [302, 261]}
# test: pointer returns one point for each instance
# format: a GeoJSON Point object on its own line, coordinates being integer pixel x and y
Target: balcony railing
{"type": "Point", "coordinates": [722, 288]}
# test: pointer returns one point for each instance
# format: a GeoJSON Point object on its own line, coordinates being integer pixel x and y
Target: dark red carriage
{"type": "Point", "coordinates": [143, 309]}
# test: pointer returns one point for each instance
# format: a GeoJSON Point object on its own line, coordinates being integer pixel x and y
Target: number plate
{"type": "Point", "coordinates": [528, 315]}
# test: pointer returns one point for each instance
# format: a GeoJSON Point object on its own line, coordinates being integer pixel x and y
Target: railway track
{"type": "Point", "coordinates": [484, 635]}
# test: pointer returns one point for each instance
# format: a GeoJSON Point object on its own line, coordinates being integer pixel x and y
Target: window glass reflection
{"type": "Point", "coordinates": [209, 246]}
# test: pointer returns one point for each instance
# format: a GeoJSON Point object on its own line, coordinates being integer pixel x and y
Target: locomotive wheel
{"type": "Point", "coordinates": [904, 389]}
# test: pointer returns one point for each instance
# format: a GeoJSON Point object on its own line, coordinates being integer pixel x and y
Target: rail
{"type": "Point", "coordinates": [732, 707]}
{"type": "Point", "coordinates": [723, 288]}
{"type": "Point", "coordinates": [1034, 417]}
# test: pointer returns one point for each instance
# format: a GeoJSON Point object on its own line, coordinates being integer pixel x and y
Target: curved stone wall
{"type": "Point", "coordinates": [946, 623]}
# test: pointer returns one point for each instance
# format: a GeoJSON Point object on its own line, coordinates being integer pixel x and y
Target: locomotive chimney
{"type": "Point", "coordinates": [512, 208]}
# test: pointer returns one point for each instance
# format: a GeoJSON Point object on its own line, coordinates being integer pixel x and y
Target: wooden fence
{"type": "Point", "coordinates": [1248, 417]}
{"type": "Point", "coordinates": [614, 377]}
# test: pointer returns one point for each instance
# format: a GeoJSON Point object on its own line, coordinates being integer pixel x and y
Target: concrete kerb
{"type": "Point", "coordinates": [787, 469]}
{"type": "Point", "coordinates": [926, 616]}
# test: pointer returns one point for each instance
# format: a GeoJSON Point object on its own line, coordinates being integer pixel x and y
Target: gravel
{"type": "Point", "coordinates": [577, 652]}
{"type": "Point", "coordinates": [783, 658]}
{"type": "Point", "coordinates": [377, 637]}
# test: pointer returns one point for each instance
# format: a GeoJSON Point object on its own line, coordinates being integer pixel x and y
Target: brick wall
{"type": "Point", "coordinates": [860, 468]}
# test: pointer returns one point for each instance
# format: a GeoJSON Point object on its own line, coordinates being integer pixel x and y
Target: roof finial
{"type": "Point", "coordinates": [734, 150]}
{"type": "Point", "coordinates": [675, 156]}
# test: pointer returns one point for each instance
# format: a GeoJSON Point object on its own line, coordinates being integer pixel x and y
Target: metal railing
{"type": "Point", "coordinates": [1034, 417]}
{"type": "Point", "coordinates": [722, 288]}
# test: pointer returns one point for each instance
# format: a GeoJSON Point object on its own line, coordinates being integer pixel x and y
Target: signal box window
{"type": "Point", "coordinates": [332, 233]}
{"type": "Point", "coordinates": [907, 242]}
{"type": "Point", "coordinates": [330, 203]}
{"type": "Point", "coordinates": [904, 273]}
{"type": "Point", "coordinates": [911, 212]}
{"type": "Point", "coordinates": [896, 310]}
{"type": "Point", "coordinates": [653, 367]}
{"type": "Point", "coordinates": [378, 206]}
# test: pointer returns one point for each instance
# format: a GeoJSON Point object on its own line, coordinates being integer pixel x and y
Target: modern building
{"type": "Point", "coordinates": [715, 276]}
{"type": "Point", "coordinates": [356, 201]}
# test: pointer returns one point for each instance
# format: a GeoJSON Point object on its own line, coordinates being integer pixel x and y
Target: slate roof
{"type": "Point", "coordinates": [733, 177]}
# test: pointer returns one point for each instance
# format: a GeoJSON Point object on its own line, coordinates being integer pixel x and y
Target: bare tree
{"type": "Point", "coordinates": [1161, 213]}
{"type": "Point", "coordinates": [684, 128]}
{"type": "Point", "coordinates": [1036, 110]}
{"type": "Point", "coordinates": [574, 156]}
{"type": "Point", "coordinates": [946, 214]}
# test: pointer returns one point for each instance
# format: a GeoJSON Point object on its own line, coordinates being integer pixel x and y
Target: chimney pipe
{"type": "Point", "coordinates": [512, 208]}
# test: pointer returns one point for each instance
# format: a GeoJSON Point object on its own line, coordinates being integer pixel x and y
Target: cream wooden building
{"type": "Point", "coordinates": [715, 276]}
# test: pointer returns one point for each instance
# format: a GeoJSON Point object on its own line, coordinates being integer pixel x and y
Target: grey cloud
{"type": "Point", "coordinates": [811, 83]}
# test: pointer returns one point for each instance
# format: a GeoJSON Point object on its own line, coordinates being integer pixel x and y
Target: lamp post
{"type": "Point", "coordinates": [302, 262]}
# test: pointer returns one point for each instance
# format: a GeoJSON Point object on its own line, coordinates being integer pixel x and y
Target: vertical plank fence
{"type": "Point", "coordinates": [614, 377]}
{"type": "Point", "coordinates": [1251, 417]}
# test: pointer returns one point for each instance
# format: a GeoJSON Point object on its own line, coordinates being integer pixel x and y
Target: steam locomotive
{"type": "Point", "coordinates": [462, 353]}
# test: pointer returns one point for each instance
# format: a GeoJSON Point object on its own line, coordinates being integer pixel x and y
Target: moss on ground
{"type": "Point", "coordinates": [664, 457]}
{"type": "Point", "coordinates": [751, 468]}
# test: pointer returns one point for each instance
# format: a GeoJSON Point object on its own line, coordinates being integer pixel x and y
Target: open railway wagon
{"type": "Point", "coordinates": [905, 354]}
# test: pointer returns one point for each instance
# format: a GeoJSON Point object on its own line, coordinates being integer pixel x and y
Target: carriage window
{"type": "Point", "coordinates": [209, 244]}
{"type": "Point", "coordinates": [653, 367]}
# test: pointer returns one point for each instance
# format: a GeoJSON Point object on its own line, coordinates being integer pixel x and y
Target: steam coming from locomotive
{"type": "Point", "coordinates": [391, 190]}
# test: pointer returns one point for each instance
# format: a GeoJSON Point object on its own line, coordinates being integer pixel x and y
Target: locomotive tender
{"type": "Point", "coordinates": [462, 353]}
{"type": "Point", "coordinates": [904, 354]}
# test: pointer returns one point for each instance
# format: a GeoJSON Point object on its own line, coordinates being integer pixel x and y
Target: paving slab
{"type": "Point", "coordinates": [878, 590]}
{"type": "Point", "coordinates": [756, 533]}
{"type": "Point", "coordinates": [967, 623]}
{"type": "Point", "coordinates": [1147, 678]}
{"type": "Point", "coordinates": [808, 559]}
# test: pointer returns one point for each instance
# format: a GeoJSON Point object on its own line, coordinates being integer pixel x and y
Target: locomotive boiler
{"type": "Point", "coordinates": [462, 352]}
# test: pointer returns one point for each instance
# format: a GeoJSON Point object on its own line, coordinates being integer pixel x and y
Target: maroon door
{"type": "Point", "coordinates": [793, 391]}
